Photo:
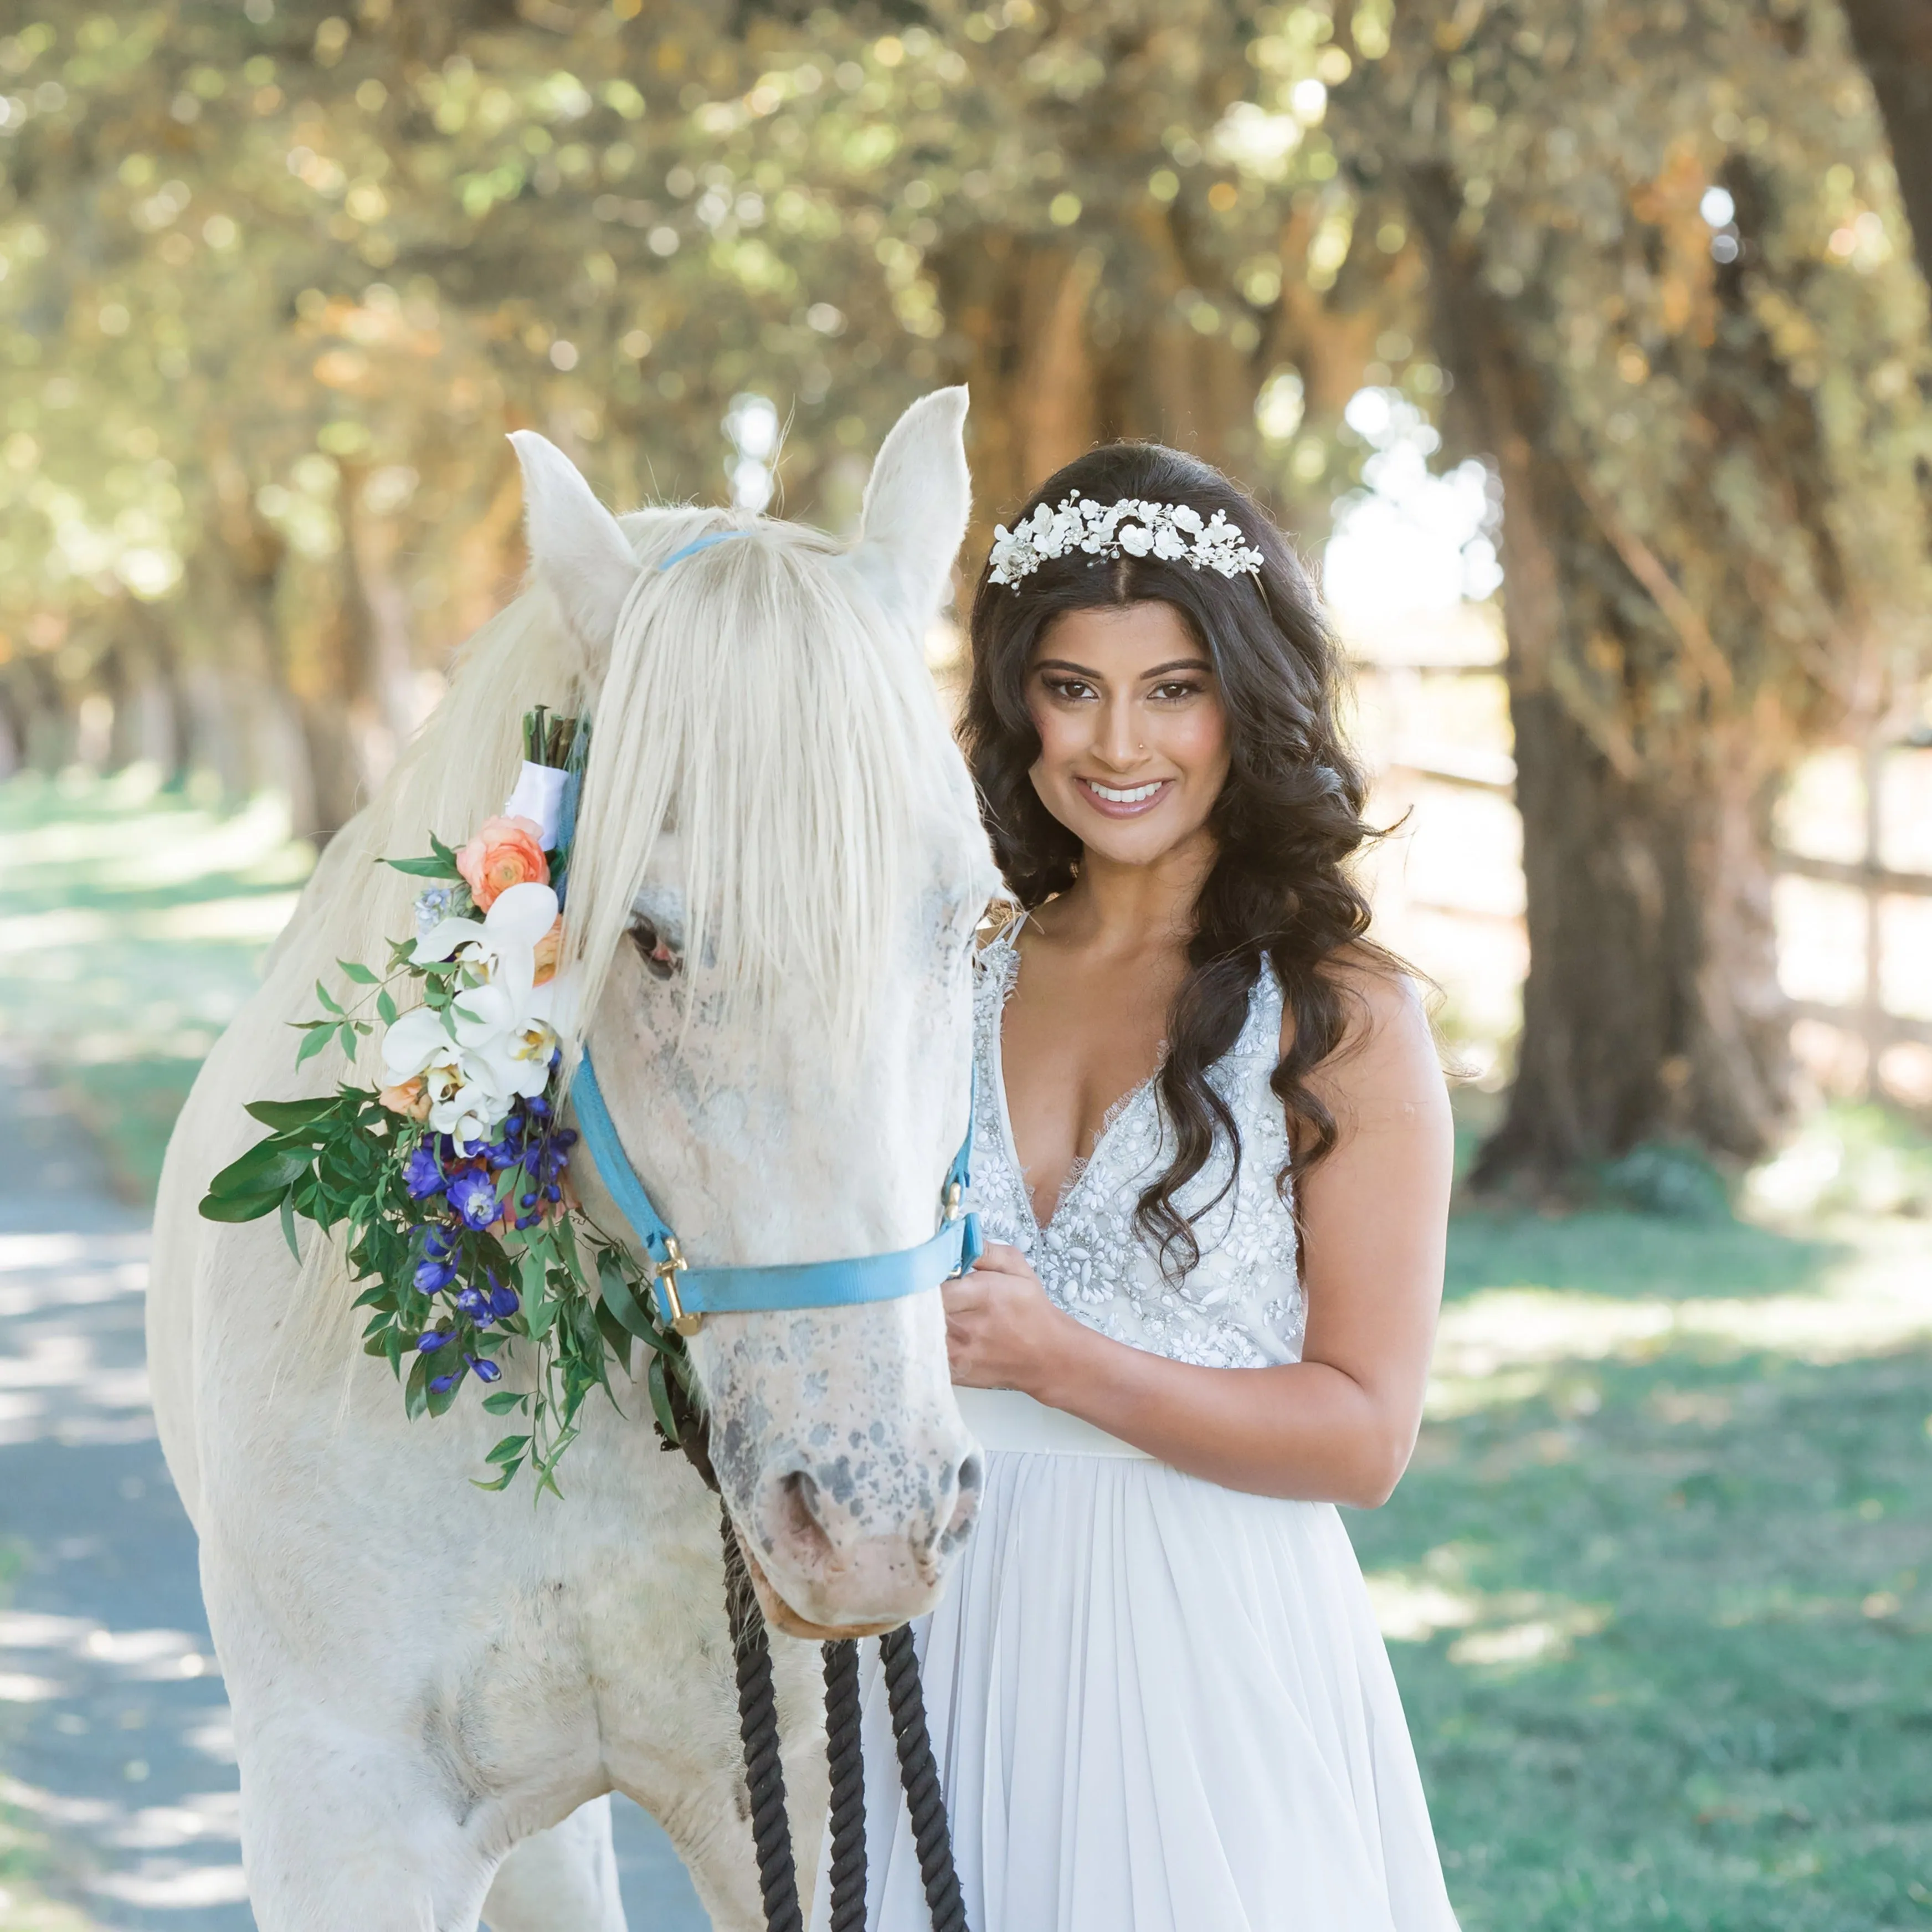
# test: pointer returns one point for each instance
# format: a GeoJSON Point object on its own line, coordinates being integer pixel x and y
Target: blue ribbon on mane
{"type": "Point", "coordinates": [685, 1294]}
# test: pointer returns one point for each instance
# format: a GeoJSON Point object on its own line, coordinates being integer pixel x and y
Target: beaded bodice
{"type": "Point", "coordinates": [1241, 1307]}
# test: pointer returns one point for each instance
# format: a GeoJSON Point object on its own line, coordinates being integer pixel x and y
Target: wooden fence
{"type": "Point", "coordinates": [1868, 1019]}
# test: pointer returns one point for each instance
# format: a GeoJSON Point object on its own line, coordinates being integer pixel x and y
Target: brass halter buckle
{"type": "Point", "coordinates": [665, 1276]}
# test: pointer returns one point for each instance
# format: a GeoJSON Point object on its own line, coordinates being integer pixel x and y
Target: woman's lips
{"type": "Point", "coordinates": [1129, 801]}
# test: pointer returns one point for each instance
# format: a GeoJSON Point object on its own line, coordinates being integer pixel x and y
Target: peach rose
{"type": "Point", "coordinates": [505, 852]}
{"type": "Point", "coordinates": [411, 1100]}
{"type": "Point", "coordinates": [547, 949]}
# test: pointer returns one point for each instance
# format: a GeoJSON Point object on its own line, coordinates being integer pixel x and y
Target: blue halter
{"type": "Point", "coordinates": [685, 1295]}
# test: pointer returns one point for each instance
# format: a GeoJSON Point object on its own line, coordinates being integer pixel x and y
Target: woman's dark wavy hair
{"type": "Point", "coordinates": [1287, 823]}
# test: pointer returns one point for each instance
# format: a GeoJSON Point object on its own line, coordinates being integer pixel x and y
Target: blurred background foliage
{"type": "Point", "coordinates": [278, 278]}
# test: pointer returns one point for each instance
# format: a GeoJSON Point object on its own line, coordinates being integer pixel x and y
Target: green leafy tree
{"type": "Point", "coordinates": [1665, 259]}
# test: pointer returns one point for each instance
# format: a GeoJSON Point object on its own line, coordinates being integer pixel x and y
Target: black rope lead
{"type": "Point", "coordinates": [845, 1760]}
{"type": "Point", "coordinates": [925, 1801]}
{"type": "Point", "coordinates": [764, 1768]}
{"type": "Point", "coordinates": [758, 1727]}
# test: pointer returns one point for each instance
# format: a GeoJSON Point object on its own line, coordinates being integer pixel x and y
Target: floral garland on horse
{"type": "Point", "coordinates": [452, 1181]}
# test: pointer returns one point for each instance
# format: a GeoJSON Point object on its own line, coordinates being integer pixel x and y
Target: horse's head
{"type": "Point", "coordinates": [778, 871]}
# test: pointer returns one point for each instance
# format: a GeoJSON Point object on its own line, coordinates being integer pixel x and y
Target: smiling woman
{"type": "Point", "coordinates": [1156, 1682]}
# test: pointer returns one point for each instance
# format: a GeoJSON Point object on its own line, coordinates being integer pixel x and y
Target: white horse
{"type": "Point", "coordinates": [434, 1687]}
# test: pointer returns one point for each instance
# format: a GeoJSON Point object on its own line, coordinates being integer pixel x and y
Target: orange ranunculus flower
{"type": "Point", "coordinates": [505, 852]}
{"type": "Point", "coordinates": [547, 949]}
{"type": "Point", "coordinates": [411, 1100]}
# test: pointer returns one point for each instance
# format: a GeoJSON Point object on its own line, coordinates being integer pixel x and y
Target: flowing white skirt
{"type": "Point", "coordinates": [1157, 1706]}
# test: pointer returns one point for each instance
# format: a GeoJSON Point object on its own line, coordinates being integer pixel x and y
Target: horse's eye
{"type": "Point", "coordinates": [661, 959]}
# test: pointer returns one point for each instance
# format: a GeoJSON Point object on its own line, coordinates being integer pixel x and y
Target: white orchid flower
{"type": "Point", "coordinates": [416, 1042]}
{"type": "Point", "coordinates": [494, 1043]}
{"type": "Point", "coordinates": [510, 1049]}
{"type": "Point", "coordinates": [505, 937]}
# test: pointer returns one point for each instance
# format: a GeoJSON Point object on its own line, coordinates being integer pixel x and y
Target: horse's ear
{"type": "Point", "coordinates": [577, 547]}
{"type": "Point", "coordinates": [916, 506]}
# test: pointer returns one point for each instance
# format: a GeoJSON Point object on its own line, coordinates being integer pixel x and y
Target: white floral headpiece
{"type": "Point", "coordinates": [1174, 532]}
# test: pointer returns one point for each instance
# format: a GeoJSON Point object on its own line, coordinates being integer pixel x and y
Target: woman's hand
{"type": "Point", "coordinates": [1001, 1331]}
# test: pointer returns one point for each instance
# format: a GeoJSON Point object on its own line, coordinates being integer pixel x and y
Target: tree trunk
{"type": "Point", "coordinates": [1019, 308]}
{"type": "Point", "coordinates": [1893, 38]}
{"type": "Point", "coordinates": [1651, 1008]}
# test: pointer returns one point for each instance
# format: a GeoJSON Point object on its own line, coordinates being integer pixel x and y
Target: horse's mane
{"type": "Point", "coordinates": [757, 699]}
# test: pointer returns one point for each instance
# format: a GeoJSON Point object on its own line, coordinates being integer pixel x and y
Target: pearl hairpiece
{"type": "Point", "coordinates": [1173, 533]}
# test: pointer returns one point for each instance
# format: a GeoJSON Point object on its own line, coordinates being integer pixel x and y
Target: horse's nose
{"type": "Point", "coordinates": [839, 1554]}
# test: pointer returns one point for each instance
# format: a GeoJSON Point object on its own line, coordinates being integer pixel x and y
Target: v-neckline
{"type": "Point", "coordinates": [1071, 1183]}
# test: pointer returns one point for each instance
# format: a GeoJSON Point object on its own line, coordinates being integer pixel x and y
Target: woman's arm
{"type": "Point", "coordinates": [1339, 1425]}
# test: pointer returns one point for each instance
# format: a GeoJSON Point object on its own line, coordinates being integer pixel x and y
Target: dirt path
{"type": "Point", "coordinates": [114, 1731]}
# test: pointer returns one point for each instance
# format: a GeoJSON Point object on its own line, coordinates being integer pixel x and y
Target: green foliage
{"type": "Point", "coordinates": [1688, 222]}
{"type": "Point", "coordinates": [338, 1163]}
{"type": "Point", "coordinates": [274, 290]}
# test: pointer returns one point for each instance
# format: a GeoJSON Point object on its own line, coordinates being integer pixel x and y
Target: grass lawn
{"type": "Point", "coordinates": [1659, 1586]}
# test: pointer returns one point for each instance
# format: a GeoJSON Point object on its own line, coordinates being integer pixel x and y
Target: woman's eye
{"type": "Point", "coordinates": [1069, 690]}
{"type": "Point", "coordinates": [1173, 692]}
{"type": "Point", "coordinates": [661, 959]}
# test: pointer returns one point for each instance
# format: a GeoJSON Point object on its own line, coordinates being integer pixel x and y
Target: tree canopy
{"type": "Point", "coordinates": [278, 278]}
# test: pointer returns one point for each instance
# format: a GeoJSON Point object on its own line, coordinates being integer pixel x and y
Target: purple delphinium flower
{"type": "Point", "coordinates": [439, 1383]}
{"type": "Point", "coordinates": [431, 1340]}
{"type": "Point", "coordinates": [486, 1371]}
{"type": "Point", "coordinates": [432, 1276]}
{"type": "Point", "coordinates": [503, 1302]}
{"type": "Point", "coordinates": [474, 1303]}
{"type": "Point", "coordinates": [473, 1197]}
{"type": "Point", "coordinates": [422, 1174]}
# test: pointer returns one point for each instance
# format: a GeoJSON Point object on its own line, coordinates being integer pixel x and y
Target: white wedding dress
{"type": "Point", "coordinates": [1157, 1705]}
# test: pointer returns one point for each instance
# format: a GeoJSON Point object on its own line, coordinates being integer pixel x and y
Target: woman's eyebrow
{"type": "Point", "coordinates": [1158, 670]}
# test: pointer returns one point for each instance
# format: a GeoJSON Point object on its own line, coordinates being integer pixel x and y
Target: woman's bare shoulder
{"type": "Point", "coordinates": [1386, 1034]}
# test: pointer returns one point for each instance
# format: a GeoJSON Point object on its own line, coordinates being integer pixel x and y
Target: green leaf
{"type": "Point", "coordinates": [267, 1168]}
{"type": "Point", "coordinates": [511, 1446]}
{"type": "Point", "coordinates": [289, 1226]}
{"type": "Point", "coordinates": [416, 1390]}
{"type": "Point", "coordinates": [385, 1007]}
{"type": "Point", "coordinates": [437, 1401]}
{"type": "Point", "coordinates": [318, 1038]}
{"type": "Point", "coordinates": [661, 1408]}
{"type": "Point", "coordinates": [616, 1336]}
{"type": "Point", "coordinates": [503, 1401]}
{"type": "Point", "coordinates": [322, 993]}
{"type": "Point", "coordinates": [284, 1115]}
{"type": "Point", "coordinates": [360, 974]}
{"type": "Point", "coordinates": [238, 1206]}
{"type": "Point", "coordinates": [439, 868]}
{"type": "Point", "coordinates": [346, 1035]}
{"type": "Point", "coordinates": [502, 1482]}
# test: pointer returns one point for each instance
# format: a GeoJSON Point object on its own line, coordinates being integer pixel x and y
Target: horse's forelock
{"type": "Point", "coordinates": [759, 696]}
